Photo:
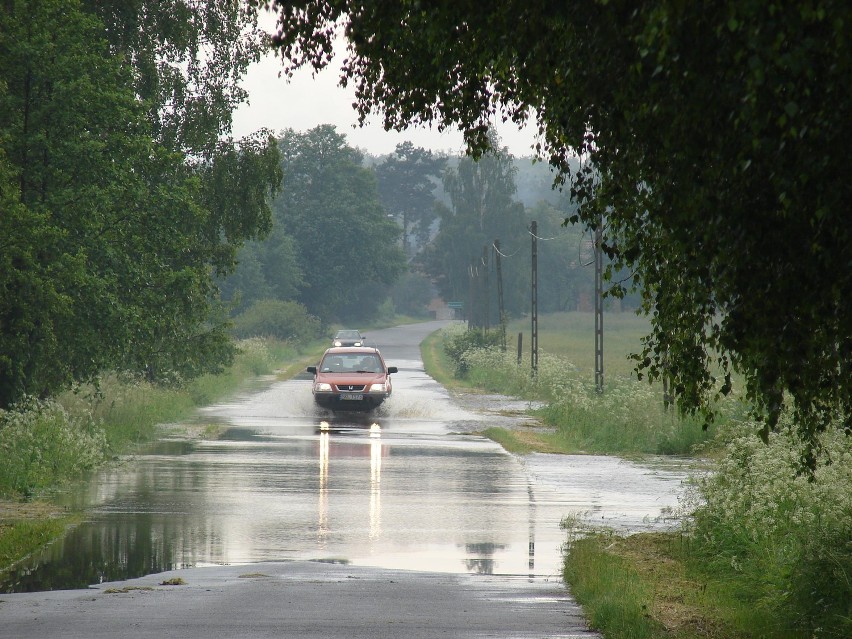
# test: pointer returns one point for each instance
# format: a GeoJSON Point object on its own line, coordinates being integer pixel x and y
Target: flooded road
{"type": "Point", "coordinates": [410, 487]}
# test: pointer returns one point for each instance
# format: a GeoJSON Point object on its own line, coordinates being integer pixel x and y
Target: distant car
{"type": "Point", "coordinates": [347, 337]}
{"type": "Point", "coordinates": [351, 378]}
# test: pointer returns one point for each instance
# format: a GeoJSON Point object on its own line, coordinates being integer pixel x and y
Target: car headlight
{"type": "Point", "coordinates": [337, 342]}
{"type": "Point", "coordinates": [378, 388]}
{"type": "Point", "coordinates": [322, 386]}
{"type": "Point", "coordinates": [357, 343]}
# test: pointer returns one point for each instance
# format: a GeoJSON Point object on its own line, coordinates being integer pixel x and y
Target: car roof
{"type": "Point", "coordinates": [348, 331]}
{"type": "Point", "coordinates": [350, 350]}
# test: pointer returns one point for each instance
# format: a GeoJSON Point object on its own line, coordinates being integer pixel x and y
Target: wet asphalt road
{"type": "Point", "coordinates": [298, 523]}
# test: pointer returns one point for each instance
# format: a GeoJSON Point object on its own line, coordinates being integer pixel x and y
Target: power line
{"type": "Point", "coordinates": [547, 239]}
{"type": "Point", "coordinates": [503, 254]}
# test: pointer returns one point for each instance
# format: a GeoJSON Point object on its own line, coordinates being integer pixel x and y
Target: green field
{"type": "Point", "coordinates": [572, 336]}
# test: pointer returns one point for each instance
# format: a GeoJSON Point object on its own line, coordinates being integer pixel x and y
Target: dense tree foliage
{"type": "Point", "coordinates": [407, 182]}
{"type": "Point", "coordinates": [347, 246]}
{"type": "Point", "coordinates": [111, 233]}
{"type": "Point", "coordinates": [714, 138]}
{"type": "Point", "coordinates": [411, 294]}
{"type": "Point", "coordinates": [284, 320]}
{"type": "Point", "coordinates": [482, 209]}
{"type": "Point", "coordinates": [266, 269]}
{"type": "Point", "coordinates": [187, 58]}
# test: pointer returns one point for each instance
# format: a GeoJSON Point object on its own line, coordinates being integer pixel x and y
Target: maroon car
{"type": "Point", "coordinates": [351, 378]}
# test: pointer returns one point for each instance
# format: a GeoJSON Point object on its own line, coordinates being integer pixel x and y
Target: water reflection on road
{"type": "Point", "coordinates": [409, 486]}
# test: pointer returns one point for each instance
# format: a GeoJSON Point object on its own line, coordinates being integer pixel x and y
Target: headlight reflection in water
{"type": "Point", "coordinates": [375, 481]}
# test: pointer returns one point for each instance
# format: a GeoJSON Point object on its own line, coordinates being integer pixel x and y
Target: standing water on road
{"type": "Point", "coordinates": [410, 486]}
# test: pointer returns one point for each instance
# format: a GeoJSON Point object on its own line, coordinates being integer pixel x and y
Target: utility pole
{"type": "Point", "coordinates": [534, 299]}
{"type": "Point", "coordinates": [486, 293]}
{"type": "Point", "coordinates": [500, 308]}
{"type": "Point", "coordinates": [599, 366]}
{"type": "Point", "coordinates": [470, 311]}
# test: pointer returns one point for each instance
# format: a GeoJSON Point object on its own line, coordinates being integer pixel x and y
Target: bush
{"type": "Point", "coordinates": [785, 532]}
{"type": "Point", "coordinates": [456, 344]}
{"type": "Point", "coordinates": [42, 445]}
{"type": "Point", "coordinates": [386, 312]}
{"type": "Point", "coordinates": [278, 319]}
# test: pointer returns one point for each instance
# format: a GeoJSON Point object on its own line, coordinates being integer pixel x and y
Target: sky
{"type": "Point", "coordinates": [305, 102]}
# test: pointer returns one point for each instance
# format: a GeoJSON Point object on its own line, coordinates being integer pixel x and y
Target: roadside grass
{"type": "Point", "coordinates": [134, 412]}
{"type": "Point", "coordinates": [439, 365]}
{"type": "Point", "coordinates": [522, 442]}
{"type": "Point", "coordinates": [628, 418]}
{"type": "Point", "coordinates": [631, 428]}
{"type": "Point", "coordinates": [651, 586]}
{"type": "Point", "coordinates": [614, 597]}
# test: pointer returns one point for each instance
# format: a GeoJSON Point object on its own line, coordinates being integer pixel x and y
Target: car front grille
{"type": "Point", "coordinates": [350, 387]}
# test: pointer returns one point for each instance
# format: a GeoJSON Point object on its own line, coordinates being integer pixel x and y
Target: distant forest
{"type": "Point", "coordinates": [356, 236]}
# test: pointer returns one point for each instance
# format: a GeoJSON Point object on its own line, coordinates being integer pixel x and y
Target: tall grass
{"type": "Point", "coordinates": [628, 417]}
{"type": "Point", "coordinates": [783, 534]}
{"type": "Point", "coordinates": [646, 585]}
{"type": "Point", "coordinates": [41, 442]}
{"type": "Point", "coordinates": [614, 597]}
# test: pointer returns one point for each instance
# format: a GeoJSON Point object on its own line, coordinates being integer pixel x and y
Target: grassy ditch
{"type": "Point", "coordinates": [764, 550]}
{"type": "Point", "coordinates": [628, 418]}
{"type": "Point", "coordinates": [648, 586]}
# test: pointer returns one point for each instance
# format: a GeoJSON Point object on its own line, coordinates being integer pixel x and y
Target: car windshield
{"type": "Point", "coordinates": [348, 335]}
{"type": "Point", "coordinates": [351, 363]}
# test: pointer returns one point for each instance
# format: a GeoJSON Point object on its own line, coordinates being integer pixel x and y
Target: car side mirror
{"type": "Point", "coordinates": [312, 369]}
{"type": "Point", "coordinates": [391, 369]}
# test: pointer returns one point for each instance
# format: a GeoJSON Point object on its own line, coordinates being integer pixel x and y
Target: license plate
{"type": "Point", "coordinates": [353, 396]}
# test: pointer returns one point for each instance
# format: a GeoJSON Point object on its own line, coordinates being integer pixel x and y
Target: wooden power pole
{"type": "Point", "coordinates": [534, 299]}
{"type": "Point", "coordinates": [500, 309]}
{"type": "Point", "coordinates": [599, 365]}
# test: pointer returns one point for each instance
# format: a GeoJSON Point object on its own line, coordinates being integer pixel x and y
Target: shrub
{"type": "Point", "coordinates": [457, 343]}
{"type": "Point", "coordinates": [785, 532]}
{"type": "Point", "coordinates": [41, 445]}
{"type": "Point", "coordinates": [284, 320]}
{"type": "Point", "coordinates": [385, 312]}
